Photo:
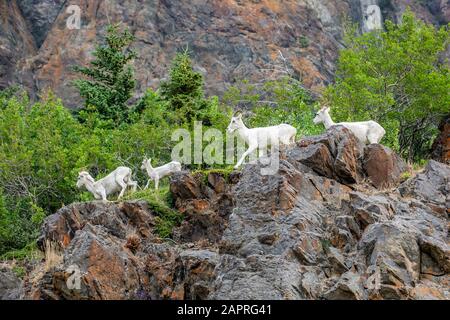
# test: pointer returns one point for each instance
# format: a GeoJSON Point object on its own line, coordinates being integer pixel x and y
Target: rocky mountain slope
{"type": "Point", "coordinates": [338, 221]}
{"type": "Point", "coordinates": [230, 39]}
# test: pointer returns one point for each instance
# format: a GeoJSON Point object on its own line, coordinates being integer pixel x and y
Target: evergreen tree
{"type": "Point", "coordinates": [110, 78]}
{"type": "Point", "coordinates": [184, 89]}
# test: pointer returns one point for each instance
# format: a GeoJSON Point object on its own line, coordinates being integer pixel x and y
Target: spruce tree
{"type": "Point", "coordinates": [184, 89]}
{"type": "Point", "coordinates": [109, 79]}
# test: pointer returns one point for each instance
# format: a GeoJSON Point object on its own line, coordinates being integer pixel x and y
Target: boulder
{"type": "Point", "coordinates": [10, 284]}
{"type": "Point", "coordinates": [257, 277]}
{"type": "Point", "coordinates": [432, 187]}
{"type": "Point", "coordinates": [382, 166]}
{"type": "Point", "coordinates": [340, 162]}
{"type": "Point", "coordinates": [117, 218]}
{"type": "Point", "coordinates": [206, 203]}
{"type": "Point", "coordinates": [106, 270]}
{"type": "Point", "coordinates": [348, 287]}
{"type": "Point", "coordinates": [315, 156]}
{"type": "Point", "coordinates": [393, 250]}
{"type": "Point", "coordinates": [369, 209]}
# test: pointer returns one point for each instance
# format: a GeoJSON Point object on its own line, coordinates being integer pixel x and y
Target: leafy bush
{"type": "Point", "coordinates": [397, 78]}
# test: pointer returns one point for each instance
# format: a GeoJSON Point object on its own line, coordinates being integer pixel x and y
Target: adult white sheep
{"type": "Point", "coordinates": [157, 174]}
{"type": "Point", "coordinates": [116, 181]}
{"type": "Point", "coordinates": [366, 131]}
{"type": "Point", "coordinates": [261, 137]}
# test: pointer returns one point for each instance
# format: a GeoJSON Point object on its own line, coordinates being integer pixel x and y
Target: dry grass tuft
{"type": "Point", "coordinates": [133, 243]}
{"type": "Point", "coordinates": [53, 255]}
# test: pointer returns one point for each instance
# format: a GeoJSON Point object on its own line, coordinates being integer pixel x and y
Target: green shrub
{"type": "Point", "coordinates": [303, 41]}
{"type": "Point", "coordinates": [395, 77]}
{"type": "Point", "coordinates": [29, 252]}
{"type": "Point", "coordinates": [224, 172]}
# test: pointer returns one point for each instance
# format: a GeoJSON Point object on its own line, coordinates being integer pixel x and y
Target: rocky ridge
{"type": "Point", "coordinates": [331, 224]}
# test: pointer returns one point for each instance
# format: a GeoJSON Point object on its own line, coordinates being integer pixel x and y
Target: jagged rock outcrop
{"type": "Point", "coordinates": [307, 232]}
{"type": "Point", "coordinates": [230, 40]}
{"type": "Point", "coordinates": [11, 287]}
{"type": "Point", "coordinates": [16, 47]}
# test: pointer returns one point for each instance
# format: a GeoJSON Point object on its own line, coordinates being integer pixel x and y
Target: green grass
{"type": "Point", "coordinates": [419, 165]}
{"type": "Point", "coordinates": [405, 176]}
{"type": "Point", "coordinates": [19, 271]}
{"type": "Point", "coordinates": [29, 252]}
{"type": "Point", "coordinates": [225, 172]}
{"type": "Point", "coordinates": [161, 203]}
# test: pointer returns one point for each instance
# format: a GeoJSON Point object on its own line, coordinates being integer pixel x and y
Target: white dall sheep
{"type": "Point", "coordinates": [116, 181]}
{"type": "Point", "coordinates": [366, 131]}
{"type": "Point", "coordinates": [261, 137]}
{"type": "Point", "coordinates": [157, 174]}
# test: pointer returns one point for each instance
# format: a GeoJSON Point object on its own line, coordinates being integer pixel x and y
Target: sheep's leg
{"type": "Point", "coordinates": [373, 138]}
{"type": "Point", "coordinates": [148, 183]}
{"type": "Point", "coordinates": [123, 185]}
{"type": "Point", "coordinates": [293, 139]}
{"type": "Point", "coordinates": [263, 152]}
{"type": "Point", "coordinates": [156, 183]}
{"type": "Point", "coordinates": [103, 195]}
{"type": "Point", "coordinates": [246, 153]}
{"type": "Point", "coordinates": [133, 185]}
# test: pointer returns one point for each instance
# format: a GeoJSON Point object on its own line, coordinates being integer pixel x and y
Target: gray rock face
{"type": "Point", "coordinates": [40, 16]}
{"type": "Point", "coordinates": [10, 285]}
{"type": "Point", "coordinates": [382, 166]}
{"type": "Point", "coordinates": [432, 187]}
{"type": "Point", "coordinates": [298, 234]}
{"type": "Point", "coordinates": [16, 45]}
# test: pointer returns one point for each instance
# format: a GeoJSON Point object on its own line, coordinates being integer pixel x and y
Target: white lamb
{"type": "Point", "coordinates": [116, 181]}
{"type": "Point", "coordinates": [366, 131]}
{"type": "Point", "coordinates": [157, 174]}
{"type": "Point", "coordinates": [261, 137]}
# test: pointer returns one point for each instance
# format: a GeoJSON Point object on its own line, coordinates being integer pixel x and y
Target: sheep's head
{"type": "Point", "coordinates": [236, 123]}
{"type": "Point", "coordinates": [83, 178]}
{"type": "Point", "coordinates": [321, 115]}
{"type": "Point", "coordinates": [145, 163]}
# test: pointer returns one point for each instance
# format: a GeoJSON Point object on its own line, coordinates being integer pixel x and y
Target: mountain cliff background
{"type": "Point", "coordinates": [230, 40]}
